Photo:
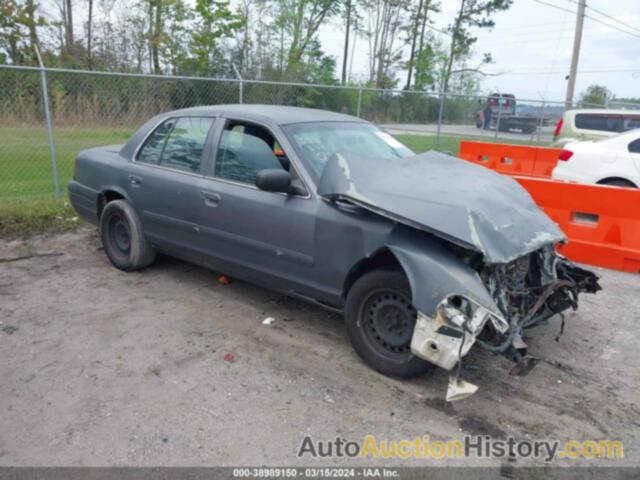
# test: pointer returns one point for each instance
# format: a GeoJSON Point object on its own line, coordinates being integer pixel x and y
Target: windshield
{"type": "Point", "coordinates": [317, 142]}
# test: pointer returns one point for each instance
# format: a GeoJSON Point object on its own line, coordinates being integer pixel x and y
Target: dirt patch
{"type": "Point", "coordinates": [9, 329]}
{"type": "Point", "coordinates": [479, 426]}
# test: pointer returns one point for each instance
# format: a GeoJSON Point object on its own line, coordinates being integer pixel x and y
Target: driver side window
{"type": "Point", "coordinates": [244, 150]}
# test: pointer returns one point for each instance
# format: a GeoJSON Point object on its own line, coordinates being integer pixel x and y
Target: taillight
{"type": "Point", "coordinates": [565, 155]}
{"type": "Point", "coordinates": [558, 128]}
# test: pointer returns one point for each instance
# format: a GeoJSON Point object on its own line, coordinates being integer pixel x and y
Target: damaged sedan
{"type": "Point", "coordinates": [426, 255]}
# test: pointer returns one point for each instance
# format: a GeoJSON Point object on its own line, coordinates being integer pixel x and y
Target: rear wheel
{"type": "Point", "coordinates": [380, 320]}
{"type": "Point", "coordinates": [123, 238]}
{"type": "Point", "coordinates": [503, 127]}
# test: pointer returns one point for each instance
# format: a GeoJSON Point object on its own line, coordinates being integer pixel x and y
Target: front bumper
{"type": "Point", "coordinates": [446, 336]}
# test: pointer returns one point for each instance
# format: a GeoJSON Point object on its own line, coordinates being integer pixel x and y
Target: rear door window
{"type": "Point", "coordinates": [177, 143]}
{"type": "Point", "coordinates": [606, 123]}
{"type": "Point", "coordinates": [152, 148]}
{"type": "Point", "coordinates": [183, 150]}
{"type": "Point", "coordinates": [634, 147]}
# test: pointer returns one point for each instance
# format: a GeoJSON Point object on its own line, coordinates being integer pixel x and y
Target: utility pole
{"type": "Point", "coordinates": [346, 44]}
{"type": "Point", "coordinates": [577, 40]}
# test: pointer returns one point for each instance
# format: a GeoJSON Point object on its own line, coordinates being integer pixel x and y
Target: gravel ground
{"type": "Point", "coordinates": [101, 367]}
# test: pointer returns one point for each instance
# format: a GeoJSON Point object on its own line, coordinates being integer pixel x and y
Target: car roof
{"type": "Point", "coordinates": [281, 115]}
{"type": "Point", "coordinates": [627, 136]}
{"type": "Point", "coordinates": [604, 111]}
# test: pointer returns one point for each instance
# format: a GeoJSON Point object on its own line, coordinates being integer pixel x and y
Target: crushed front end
{"type": "Point", "coordinates": [525, 292]}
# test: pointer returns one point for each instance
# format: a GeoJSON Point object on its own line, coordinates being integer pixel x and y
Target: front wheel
{"type": "Point", "coordinates": [123, 239]}
{"type": "Point", "coordinates": [380, 320]}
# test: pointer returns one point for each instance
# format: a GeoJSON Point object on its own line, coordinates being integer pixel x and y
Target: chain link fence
{"type": "Point", "coordinates": [49, 115]}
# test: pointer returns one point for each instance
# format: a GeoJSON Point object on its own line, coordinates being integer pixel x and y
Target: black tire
{"type": "Point", "coordinates": [618, 182]}
{"type": "Point", "coordinates": [123, 238]}
{"type": "Point", "coordinates": [380, 320]}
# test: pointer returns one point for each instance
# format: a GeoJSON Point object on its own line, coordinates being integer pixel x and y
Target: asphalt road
{"type": "Point", "coordinates": [469, 131]}
{"type": "Point", "coordinates": [101, 367]}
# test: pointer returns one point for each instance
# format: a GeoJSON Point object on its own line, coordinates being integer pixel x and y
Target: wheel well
{"type": "Point", "coordinates": [382, 258]}
{"type": "Point", "coordinates": [106, 197]}
{"type": "Point", "coordinates": [612, 180]}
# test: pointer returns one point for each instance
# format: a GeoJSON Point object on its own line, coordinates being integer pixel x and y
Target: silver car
{"type": "Point", "coordinates": [425, 255]}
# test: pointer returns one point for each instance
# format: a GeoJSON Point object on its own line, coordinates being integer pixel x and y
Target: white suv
{"type": "Point", "coordinates": [613, 161]}
{"type": "Point", "coordinates": [579, 125]}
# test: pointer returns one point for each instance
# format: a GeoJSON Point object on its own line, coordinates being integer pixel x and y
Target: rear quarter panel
{"type": "Point", "coordinates": [96, 170]}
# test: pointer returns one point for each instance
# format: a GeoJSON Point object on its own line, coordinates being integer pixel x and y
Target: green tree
{"type": "Point", "coordinates": [471, 13]}
{"type": "Point", "coordinates": [430, 62]}
{"type": "Point", "coordinates": [299, 22]}
{"type": "Point", "coordinates": [595, 95]}
{"type": "Point", "coordinates": [420, 49]}
{"type": "Point", "coordinates": [19, 22]}
{"type": "Point", "coordinates": [213, 22]}
{"type": "Point", "coordinates": [11, 32]}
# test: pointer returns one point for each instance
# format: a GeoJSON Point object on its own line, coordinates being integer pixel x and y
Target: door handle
{"type": "Point", "coordinates": [211, 199]}
{"type": "Point", "coordinates": [135, 180]}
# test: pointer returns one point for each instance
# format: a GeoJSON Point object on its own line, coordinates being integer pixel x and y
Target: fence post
{"type": "Point", "coordinates": [241, 84]}
{"type": "Point", "coordinates": [440, 115]}
{"type": "Point", "coordinates": [47, 115]}
{"type": "Point", "coordinates": [541, 121]}
{"type": "Point", "coordinates": [359, 102]}
{"type": "Point", "coordinates": [495, 136]}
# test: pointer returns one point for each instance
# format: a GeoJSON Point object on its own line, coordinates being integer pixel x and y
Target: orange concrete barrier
{"type": "Point", "coordinates": [601, 222]}
{"type": "Point", "coordinates": [511, 159]}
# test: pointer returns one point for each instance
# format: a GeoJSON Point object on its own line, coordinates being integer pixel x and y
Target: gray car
{"type": "Point", "coordinates": [426, 255]}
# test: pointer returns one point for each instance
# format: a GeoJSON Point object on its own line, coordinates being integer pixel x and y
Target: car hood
{"type": "Point", "coordinates": [465, 204]}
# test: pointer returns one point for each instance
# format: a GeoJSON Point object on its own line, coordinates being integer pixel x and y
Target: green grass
{"type": "Point", "coordinates": [27, 201]}
{"type": "Point", "coordinates": [451, 144]}
{"type": "Point", "coordinates": [25, 162]}
{"type": "Point", "coordinates": [35, 214]}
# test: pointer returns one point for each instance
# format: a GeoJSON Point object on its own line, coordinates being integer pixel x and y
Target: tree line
{"type": "Point", "coordinates": [258, 39]}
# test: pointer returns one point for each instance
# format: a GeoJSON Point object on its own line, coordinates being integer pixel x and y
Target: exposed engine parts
{"type": "Point", "coordinates": [526, 292]}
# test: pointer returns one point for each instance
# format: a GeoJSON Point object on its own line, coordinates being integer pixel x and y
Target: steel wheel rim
{"type": "Point", "coordinates": [120, 234]}
{"type": "Point", "coordinates": [387, 320]}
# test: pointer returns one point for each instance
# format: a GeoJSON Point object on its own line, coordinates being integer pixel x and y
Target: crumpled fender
{"type": "Point", "coordinates": [434, 272]}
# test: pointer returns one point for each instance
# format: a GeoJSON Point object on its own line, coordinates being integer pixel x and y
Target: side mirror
{"type": "Point", "coordinates": [274, 180]}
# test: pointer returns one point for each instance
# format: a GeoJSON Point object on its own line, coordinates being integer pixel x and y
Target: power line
{"type": "Point", "coordinates": [541, 2]}
{"type": "Point", "coordinates": [522, 26]}
{"type": "Point", "coordinates": [590, 68]}
{"type": "Point", "coordinates": [532, 39]}
{"type": "Point", "coordinates": [555, 56]}
{"type": "Point", "coordinates": [611, 70]}
{"type": "Point", "coordinates": [542, 32]}
{"type": "Point", "coordinates": [606, 15]}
